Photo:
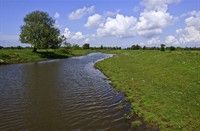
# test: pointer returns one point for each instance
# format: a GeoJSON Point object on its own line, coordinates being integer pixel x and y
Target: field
{"type": "Point", "coordinates": [163, 87]}
{"type": "Point", "coordinates": [8, 56]}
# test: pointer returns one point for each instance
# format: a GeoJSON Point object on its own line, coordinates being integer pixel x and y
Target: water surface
{"type": "Point", "coordinates": [67, 94]}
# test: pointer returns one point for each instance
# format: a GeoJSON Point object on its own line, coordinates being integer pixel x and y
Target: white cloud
{"type": "Point", "coordinates": [67, 33]}
{"type": "Point", "coordinates": [152, 23]}
{"type": "Point", "coordinates": [190, 34]}
{"type": "Point", "coordinates": [93, 21]}
{"type": "Point", "coordinates": [154, 17]}
{"type": "Point", "coordinates": [155, 41]}
{"type": "Point", "coordinates": [194, 20]}
{"type": "Point", "coordinates": [78, 36]}
{"type": "Point", "coordinates": [57, 15]}
{"type": "Point", "coordinates": [171, 41]}
{"type": "Point", "coordinates": [110, 13]}
{"type": "Point", "coordinates": [158, 5]}
{"type": "Point", "coordinates": [79, 13]}
{"type": "Point", "coordinates": [119, 26]}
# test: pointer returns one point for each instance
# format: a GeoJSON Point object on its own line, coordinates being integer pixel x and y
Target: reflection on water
{"type": "Point", "coordinates": [66, 94]}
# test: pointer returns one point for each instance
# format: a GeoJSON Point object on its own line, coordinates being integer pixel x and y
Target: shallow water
{"type": "Point", "coordinates": [67, 94]}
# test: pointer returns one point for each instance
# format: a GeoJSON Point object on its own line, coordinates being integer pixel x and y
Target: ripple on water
{"type": "Point", "coordinates": [66, 94]}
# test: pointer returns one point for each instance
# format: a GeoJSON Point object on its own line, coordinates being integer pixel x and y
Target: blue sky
{"type": "Point", "coordinates": [109, 23]}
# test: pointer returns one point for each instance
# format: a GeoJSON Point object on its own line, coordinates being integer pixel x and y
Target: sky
{"type": "Point", "coordinates": [121, 23]}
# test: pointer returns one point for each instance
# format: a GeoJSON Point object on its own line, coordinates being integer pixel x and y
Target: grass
{"type": "Point", "coordinates": [136, 123]}
{"type": "Point", "coordinates": [8, 56]}
{"type": "Point", "coordinates": [163, 87]}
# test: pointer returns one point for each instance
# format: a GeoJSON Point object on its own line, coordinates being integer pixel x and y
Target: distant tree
{"type": "Point", "coordinates": [172, 48]}
{"type": "Point", "coordinates": [135, 47]}
{"type": "Point", "coordinates": [67, 48]}
{"type": "Point", "coordinates": [40, 32]}
{"type": "Point", "coordinates": [67, 45]}
{"type": "Point", "coordinates": [86, 46]}
{"type": "Point", "coordinates": [144, 48]}
{"type": "Point", "coordinates": [162, 47]}
{"type": "Point", "coordinates": [19, 47]}
{"type": "Point", "coordinates": [101, 47]}
{"type": "Point", "coordinates": [75, 46]}
{"type": "Point", "coordinates": [1, 47]}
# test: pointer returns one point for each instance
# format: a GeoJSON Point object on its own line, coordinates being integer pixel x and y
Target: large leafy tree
{"type": "Point", "coordinates": [39, 31]}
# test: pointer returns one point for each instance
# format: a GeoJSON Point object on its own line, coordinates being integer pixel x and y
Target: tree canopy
{"type": "Point", "coordinates": [39, 31]}
{"type": "Point", "coordinates": [86, 46]}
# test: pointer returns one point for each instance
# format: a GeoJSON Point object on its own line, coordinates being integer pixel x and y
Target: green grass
{"type": "Point", "coordinates": [8, 56]}
{"type": "Point", "coordinates": [136, 123]}
{"type": "Point", "coordinates": [163, 87]}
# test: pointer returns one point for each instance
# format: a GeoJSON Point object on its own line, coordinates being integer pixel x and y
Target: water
{"type": "Point", "coordinates": [67, 94]}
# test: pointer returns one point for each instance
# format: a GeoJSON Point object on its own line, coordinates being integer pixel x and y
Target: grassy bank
{"type": "Point", "coordinates": [164, 87]}
{"type": "Point", "coordinates": [8, 56]}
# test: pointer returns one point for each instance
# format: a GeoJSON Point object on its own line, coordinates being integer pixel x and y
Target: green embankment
{"type": "Point", "coordinates": [8, 56]}
{"type": "Point", "coordinates": [163, 87]}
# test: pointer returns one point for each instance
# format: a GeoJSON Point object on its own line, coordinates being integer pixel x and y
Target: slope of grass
{"type": "Point", "coordinates": [164, 87]}
{"type": "Point", "coordinates": [8, 56]}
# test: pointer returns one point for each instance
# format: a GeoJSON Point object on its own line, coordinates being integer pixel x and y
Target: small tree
{"type": "Point", "coordinates": [162, 47]}
{"type": "Point", "coordinates": [86, 46]}
{"type": "Point", "coordinates": [40, 32]}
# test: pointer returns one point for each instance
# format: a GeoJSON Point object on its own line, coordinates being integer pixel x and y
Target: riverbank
{"type": "Point", "coordinates": [163, 87]}
{"type": "Point", "coordinates": [9, 56]}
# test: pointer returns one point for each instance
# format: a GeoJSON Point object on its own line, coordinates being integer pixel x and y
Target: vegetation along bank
{"type": "Point", "coordinates": [163, 87]}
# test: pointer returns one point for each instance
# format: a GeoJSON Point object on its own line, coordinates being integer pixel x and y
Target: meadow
{"type": "Point", "coordinates": [163, 87]}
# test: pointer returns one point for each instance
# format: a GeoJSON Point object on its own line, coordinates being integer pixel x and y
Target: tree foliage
{"type": "Point", "coordinates": [39, 31]}
{"type": "Point", "coordinates": [86, 46]}
{"type": "Point", "coordinates": [172, 48]}
{"type": "Point", "coordinates": [162, 47]}
{"type": "Point", "coordinates": [135, 47]}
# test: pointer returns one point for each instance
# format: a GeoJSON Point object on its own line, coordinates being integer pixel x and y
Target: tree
{"type": "Point", "coordinates": [86, 46]}
{"type": "Point", "coordinates": [67, 45]}
{"type": "Point", "coordinates": [135, 47]}
{"type": "Point", "coordinates": [144, 48]}
{"type": "Point", "coordinates": [40, 32]}
{"type": "Point", "coordinates": [162, 47]}
{"type": "Point", "coordinates": [172, 48]}
{"type": "Point", "coordinates": [101, 47]}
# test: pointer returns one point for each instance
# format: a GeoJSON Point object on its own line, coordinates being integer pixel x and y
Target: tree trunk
{"type": "Point", "coordinates": [34, 49]}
